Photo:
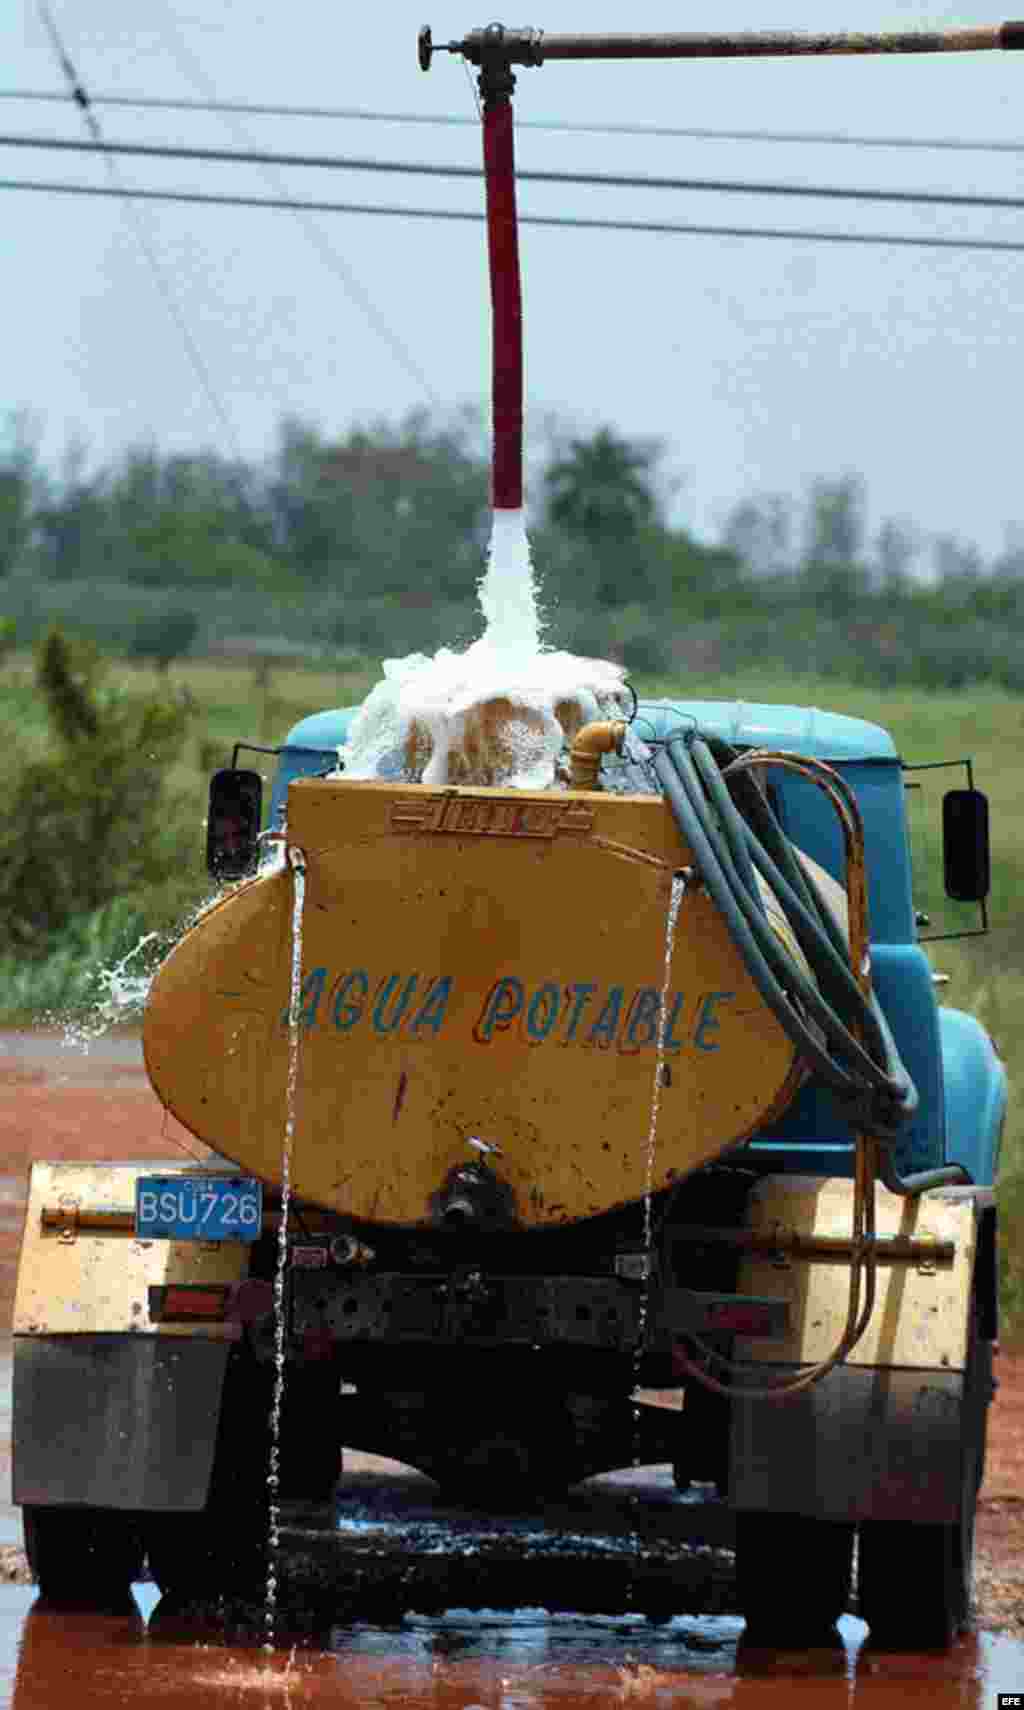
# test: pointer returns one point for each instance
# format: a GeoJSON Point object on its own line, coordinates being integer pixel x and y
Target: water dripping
{"type": "Point", "coordinates": [297, 862]}
{"type": "Point", "coordinates": [679, 882]}
{"type": "Point", "coordinates": [660, 1064]}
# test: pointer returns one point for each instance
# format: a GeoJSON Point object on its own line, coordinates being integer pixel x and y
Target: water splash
{"type": "Point", "coordinates": [122, 997]}
{"type": "Point", "coordinates": [119, 990]}
{"type": "Point", "coordinates": [422, 711]}
{"type": "Point", "coordinates": [297, 862]}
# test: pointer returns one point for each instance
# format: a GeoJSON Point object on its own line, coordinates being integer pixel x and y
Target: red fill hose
{"type": "Point", "coordinates": [506, 305]}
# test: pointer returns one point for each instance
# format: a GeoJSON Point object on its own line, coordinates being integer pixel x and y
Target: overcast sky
{"type": "Point", "coordinates": [763, 364]}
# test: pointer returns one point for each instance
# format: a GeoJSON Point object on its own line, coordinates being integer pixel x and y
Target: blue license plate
{"type": "Point", "coordinates": [198, 1208]}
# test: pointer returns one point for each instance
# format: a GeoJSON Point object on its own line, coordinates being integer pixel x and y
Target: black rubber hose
{"type": "Point", "coordinates": [892, 1088]}
{"type": "Point", "coordinates": [786, 970]}
{"type": "Point", "coordinates": [872, 1081]}
{"type": "Point", "coordinates": [831, 969]}
{"type": "Point", "coordinates": [759, 816]}
{"type": "Point", "coordinates": [834, 974]}
{"type": "Point", "coordinates": [737, 832]}
{"type": "Point", "coordinates": [808, 915]}
{"type": "Point", "coordinates": [711, 873]}
{"type": "Point", "coordinates": [947, 1175]}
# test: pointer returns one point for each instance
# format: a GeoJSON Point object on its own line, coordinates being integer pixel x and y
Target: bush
{"type": "Point", "coordinates": [80, 970]}
{"type": "Point", "coordinates": [164, 636]}
{"type": "Point", "coordinates": [89, 820]}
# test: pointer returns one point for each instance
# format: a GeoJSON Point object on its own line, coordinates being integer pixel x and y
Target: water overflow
{"type": "Point", "coordinates": [297, 863]}
{"type": "Point", "coordinates": [676, 895]}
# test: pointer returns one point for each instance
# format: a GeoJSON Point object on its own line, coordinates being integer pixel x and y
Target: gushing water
{"type": "Point", "coordinates": [507, 591]}
{"type": "Point", "coordinates": [426, 705]}
{"type": "Point", "coordinates": [297, 862]}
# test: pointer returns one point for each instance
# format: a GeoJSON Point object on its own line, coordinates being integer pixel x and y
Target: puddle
{"type": "Point", "coordinates": [489, 1660]}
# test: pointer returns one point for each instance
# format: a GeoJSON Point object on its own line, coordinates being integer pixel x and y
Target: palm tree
{"type": "Point", "coordinates": [603, 489]}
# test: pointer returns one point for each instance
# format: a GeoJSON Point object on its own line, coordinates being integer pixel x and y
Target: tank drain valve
{"type": "Point", "coordinates": [346, 1250]}
{"type": "Point", "coordinates": [473, 1197]}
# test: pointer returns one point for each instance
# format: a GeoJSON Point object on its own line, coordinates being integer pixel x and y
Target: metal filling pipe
{"type": "Point", "coordinates": [534, 47]}
{"type": "Point", "coordinates": [496, 49]}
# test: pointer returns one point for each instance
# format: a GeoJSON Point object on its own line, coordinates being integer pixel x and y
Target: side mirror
{"type": "Point", "coordinates": [233, 823]}
{"type": "Point", "coordinates": [965, 853]}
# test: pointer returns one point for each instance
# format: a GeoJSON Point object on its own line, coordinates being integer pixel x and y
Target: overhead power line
{"type": "Point", "coordinates": [336, 264]}
{"type": "Point", "coordinates": [203, 198]}
{"type": "Point", "coordinates": [704, 133]}
{"type": "Point", "coordinates": [119, 189]}
{"type": "Point", "coordinates": [601, 180]}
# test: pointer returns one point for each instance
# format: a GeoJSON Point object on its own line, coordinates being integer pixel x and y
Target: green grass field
{"type": "Point", "coordinates": [238, 702]}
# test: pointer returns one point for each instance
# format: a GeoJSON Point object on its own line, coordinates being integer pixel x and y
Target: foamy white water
{"type": "Point", "coordinates": [428, 702]}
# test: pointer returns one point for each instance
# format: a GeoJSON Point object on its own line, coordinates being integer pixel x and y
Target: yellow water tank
{"type": "Point", "coordinates": [478, 965]}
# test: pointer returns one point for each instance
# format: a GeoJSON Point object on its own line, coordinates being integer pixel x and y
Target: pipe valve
{"type": "Point", "coordinates": [494, 43]}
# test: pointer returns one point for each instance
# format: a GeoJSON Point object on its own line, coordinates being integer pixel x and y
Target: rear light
{"type": "Point", "coordinates": [727, 1314]}
{"type": "Point", "coordinates": [181, 1302]}
{"type": "Point", "coordinates": [743, 1320]}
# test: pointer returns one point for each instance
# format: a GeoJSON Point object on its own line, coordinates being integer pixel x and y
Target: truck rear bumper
{"type": "Point", "coordinates": [115, 1421]}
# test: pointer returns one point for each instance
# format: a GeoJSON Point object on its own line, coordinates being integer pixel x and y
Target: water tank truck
{"type": "Point", "coordinates": [525, 1097]}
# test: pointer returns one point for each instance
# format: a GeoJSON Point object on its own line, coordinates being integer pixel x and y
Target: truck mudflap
{"type": "Point", "coordinates": [116, 1421]}
{"type": "Point", "coordinates": [881, 1436]}
{"type": "Point", "coordinates": [114, 1406]}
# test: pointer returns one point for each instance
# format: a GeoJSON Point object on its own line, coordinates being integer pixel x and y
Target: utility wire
{"type": "Point", "coordinates": [669, 228]}
{"type": "Point", "coordinates": [335, 263]}
{"type": "Point", "coordinates": [603, 180]}
{"type": "Point", "coordinates": [706, 133]}
{"type": "Point", "coordinates": [121, 190]}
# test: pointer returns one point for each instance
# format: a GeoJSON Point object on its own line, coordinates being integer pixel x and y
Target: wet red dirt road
{"type": "Point", "coordinates": [55, 1103]}
{"type": "Point", "coordinates": [498, 1661]}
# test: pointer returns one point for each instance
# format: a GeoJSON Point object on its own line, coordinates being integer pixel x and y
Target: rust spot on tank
{"type": "Point", "coordinates": [403, 1082]}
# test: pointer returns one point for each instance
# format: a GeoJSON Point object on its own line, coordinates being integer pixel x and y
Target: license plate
{"type": "Point", "coordinates": [198, 1208]}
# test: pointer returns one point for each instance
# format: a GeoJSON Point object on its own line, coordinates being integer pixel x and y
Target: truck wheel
{"type": "Point", "coordinates": [200, 1555]}
{"type": "Point", "coordinates": [792, 1575]}
{"type": "Point", "coordinates": [224, 1545]}
{"type": "Point", "coordinates": [915, 1581]}
{"type": "Point", "coordinates": [87, 1557]}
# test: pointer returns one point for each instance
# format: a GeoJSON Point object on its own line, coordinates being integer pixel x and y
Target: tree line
{"type": "Point", "coordinates": [373, 543]}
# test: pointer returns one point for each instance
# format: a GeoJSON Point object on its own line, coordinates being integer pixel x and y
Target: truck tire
{"type": "Point", "coordinates": [915, 1581]}
{"type": "Point", "coordinates": [85, 1557]}
{"type": "Point", "coordinates": [793, 1576]}
{"type": "Point", "coordinates": [201, 1555]}
{"type": "Point", "coordinates": [224, 1545]}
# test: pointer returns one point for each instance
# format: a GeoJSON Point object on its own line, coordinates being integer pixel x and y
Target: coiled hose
{"type": "Point", "coordinates": [833, 1019]}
